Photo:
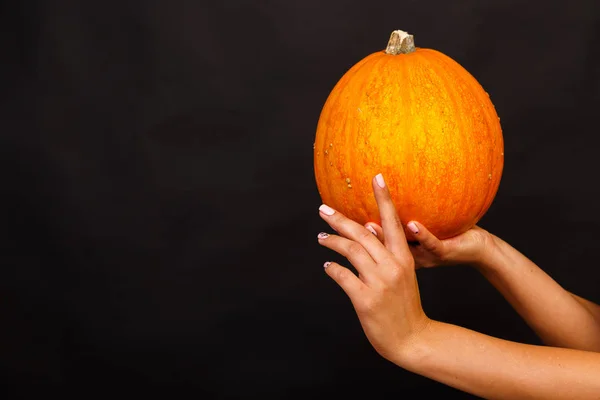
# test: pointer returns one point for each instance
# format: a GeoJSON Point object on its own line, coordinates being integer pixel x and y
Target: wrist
{"type": "Point", "coordinates": [414, 354]}
{"type": "Point", "coordinates": [491, 253]}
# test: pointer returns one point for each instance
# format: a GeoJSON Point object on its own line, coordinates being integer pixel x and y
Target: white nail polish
{"type": "Point", "coordinates": [380, 181]}
{"type": "Point", "coordinates": [413, 227]}
{"type": "Point", "coordinates": [370, 228]}
{"type": "Point", "coordinates": [326, 210]}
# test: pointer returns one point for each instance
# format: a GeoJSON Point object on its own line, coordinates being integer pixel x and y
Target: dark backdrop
{"type": "Point", "coordinates": [159, 208]}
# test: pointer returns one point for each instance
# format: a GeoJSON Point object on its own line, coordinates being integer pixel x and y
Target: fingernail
{"type": "Point", "coordinates": [326, 210]}
{"type": "Point", "coordinates": [380, 181]}
{"type": "Point", "coordinates": [413, 227]}
{"type": "Point", "coordinates": [322, 235]}
{"type": "Point", "coordinates": [327, 264]}
{"type": "Point", "coordinates": [370, 228]}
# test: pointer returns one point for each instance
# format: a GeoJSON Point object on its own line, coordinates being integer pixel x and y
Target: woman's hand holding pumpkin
{"type": "Point", "coordinates": [471, 247]}
{"type": "Point", "coordinates": [385, 293]}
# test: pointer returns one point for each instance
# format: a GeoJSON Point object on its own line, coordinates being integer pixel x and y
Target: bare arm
{"type": "Point", "coordinates": [592, 307]}
{"type": "Point", "coordinates": [494, 368]}
{"type": "Point", "coordinates": [558, 317]}
{"type": "Point", "coordinates": [385, 296]}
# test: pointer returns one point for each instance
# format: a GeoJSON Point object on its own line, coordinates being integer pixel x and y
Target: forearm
{"type": "Point", "coordinates": [558, 317]}
{"type": "Point", "coordinates": [493, 368]}
{"type": "Point", "coordinates": [592, 307]}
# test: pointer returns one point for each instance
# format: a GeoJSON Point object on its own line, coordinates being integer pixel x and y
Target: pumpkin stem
{"type": "Point", "coordinates": [400, 43]}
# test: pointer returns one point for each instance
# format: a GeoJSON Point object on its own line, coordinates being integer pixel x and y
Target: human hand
{"type": "Point", "coordinates": [385, 293]}
{"type": "Point", "coordinates": [469, 247]}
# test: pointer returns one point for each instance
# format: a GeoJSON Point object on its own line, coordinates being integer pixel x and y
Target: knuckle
{"type": "Point", "coordinates": [397, 220]}
{"type": "Point", "coordinates": [390, 259]}
{"type": "Point", "coordinates": [341, 274]}
{"type": "Point", "coordinates": [432, 246]}
{"type": "Point", "coordinates": [354, 249]}
{"type": "Point", "coordinates": [338, 222]}
{"type": "Point", "coordinates": [339, 218]}
{"type": "Point", "coordinates": [429, 243]}
{"type": "Point", "coordinates": [443, 257]}
{"type": "Point", "coordinates": [437, 249]}
{"type": "Point", "coordinates": [365, 234]}
{"type": "Point", "coordinates": [393, 220]}
{"type": "Point", "coordinates": [370, 304]}
{"type": "Point", "coordinates": [397, 273]}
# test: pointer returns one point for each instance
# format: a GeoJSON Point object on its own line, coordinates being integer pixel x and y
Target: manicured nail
{"type": "Point", "coordinates": [326, 210]}
{"type": "Point", "coordinates": [413, 227]}
{"type": "Point", "coordinates": [380, 181]}
{"type": "Point", "coordinates": [327, 264]}
{"type": "Point", "coordinates": [370, 228]}
{"type": "Point", "coordinates": [322, 235]}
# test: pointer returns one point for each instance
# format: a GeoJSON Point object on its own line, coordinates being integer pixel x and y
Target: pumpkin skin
{"type": "Point", "coordinates": [427, 125]}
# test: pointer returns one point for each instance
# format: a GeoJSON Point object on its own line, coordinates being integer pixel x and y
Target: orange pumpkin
{"type": "Point", "coordinates": [424, 122]}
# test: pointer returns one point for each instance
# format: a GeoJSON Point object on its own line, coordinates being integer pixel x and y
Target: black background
{"type": "Point", "coordinates": [159, 209]}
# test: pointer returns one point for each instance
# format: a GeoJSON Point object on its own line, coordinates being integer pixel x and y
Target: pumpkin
{"type": "Point", "coordinates": [423, 121]}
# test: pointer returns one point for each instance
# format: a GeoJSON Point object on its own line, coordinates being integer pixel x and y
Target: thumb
{"type": "Point", "coordinates": [426, 239]}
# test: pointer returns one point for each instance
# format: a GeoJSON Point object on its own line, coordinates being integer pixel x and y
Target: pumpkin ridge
{"type": "Point", "coordinates": [352, 141]}
{"type": "Point", "coordinates": [330, 102]}
{"type": "Point", "coordinates": [463, 132]}
{"type": "Point", "coordinates": [432, 78]}
{"type": "Point", "coordinates": [493, 131]}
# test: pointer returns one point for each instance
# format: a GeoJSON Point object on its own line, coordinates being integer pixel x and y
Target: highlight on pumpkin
{"type": "Point", "coordinates": [417, 116]}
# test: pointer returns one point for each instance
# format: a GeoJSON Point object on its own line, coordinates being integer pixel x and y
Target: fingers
{"type": "Point", "coordinates": [353, 251]}
{"type": "Point", "coordinates": [355, 232]}
{"type": "Point", "coordinates": [347, 280]}
{"type": "Point", "coordinates": [375, 230]}
{"type": "Point", "coordinates": [390, 221]}
{"type": "Point", "coordinates": [426, 239]}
